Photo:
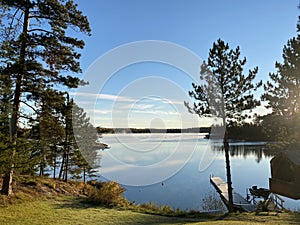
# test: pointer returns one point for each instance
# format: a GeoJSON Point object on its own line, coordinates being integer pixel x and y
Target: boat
{"type": "Point", "coordinates": [259, 192]}
{"type": "Point", "coordinates": [252, 202]}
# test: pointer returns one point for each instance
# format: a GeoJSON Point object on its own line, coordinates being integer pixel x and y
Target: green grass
{"type": "Point", "coordinates": [38, 200]}
{"type": "Point", "coordinates": [74, 210]}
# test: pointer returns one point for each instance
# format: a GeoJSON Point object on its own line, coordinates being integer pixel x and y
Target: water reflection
{"type": "Point", "coordinates": [190, 184]}
{"type": "Point", "coordinates": [259, 150]}
{"type": "Point", "coordinates": [145, 159]}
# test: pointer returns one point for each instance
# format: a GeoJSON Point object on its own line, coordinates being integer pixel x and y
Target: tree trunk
{"type": "Point", "coordinates": [84, 174]}
{"type": "Point", "coordinates": [67, 168]}
{"type": "Point", "coordinates": [62, 166]}
{"type": "Point", "coordinates": [67, 140]}
{"type": "Point", "coordinates": [7, 184]}
{"type": "Point", "coordinates": [54, 168]}
{"type": "Point", "coordinates": [8, 176]}
{"type": "Point", "coordinates": [228, 172]}
{"type": "Point", "coordinates": [42, 166]}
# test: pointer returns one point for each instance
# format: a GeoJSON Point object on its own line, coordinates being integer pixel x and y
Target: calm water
{"type": "Point", "coordinates": [174, 169]}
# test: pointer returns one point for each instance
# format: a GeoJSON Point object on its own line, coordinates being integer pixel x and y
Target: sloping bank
{"type": "Point", "coordinates": [48, 201]}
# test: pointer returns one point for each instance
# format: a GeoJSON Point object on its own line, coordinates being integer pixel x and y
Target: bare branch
{"type": "Point", "coordinates": [40, 17]}
{"type": "Point", "coordinates": [41, 30]}
{"type": "Point", "coordinates": [25, 103]}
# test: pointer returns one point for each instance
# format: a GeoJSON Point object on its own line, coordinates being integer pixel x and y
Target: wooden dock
{"type": "Point", "coordinates": [239, 203]}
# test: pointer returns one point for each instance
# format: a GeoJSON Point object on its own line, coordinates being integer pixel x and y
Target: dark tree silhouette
{"type": "Point", "coordinates": [226, 93]}
{"type": "Point", "coordinates": [38, 53]}
{"type": "Point", "coordinates": [282, 93]}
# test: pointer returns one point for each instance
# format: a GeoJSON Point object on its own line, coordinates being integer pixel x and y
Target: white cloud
{"type": "Point", "coordinates": [157, 112]}
{"type": "Point", "coordinates": [143, 106]}
{"type": "Point", "coordinates": [98, 111]}
{"type": "Point", "coordinates": [98, 97]}
{"type": "Point", "coordinates": [120, 98]}
{"type": "Point", "coordinates": [117, 111]}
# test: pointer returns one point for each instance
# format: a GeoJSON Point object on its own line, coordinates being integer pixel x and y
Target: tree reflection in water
{"type": "Point", "coordinates": [245, 149]}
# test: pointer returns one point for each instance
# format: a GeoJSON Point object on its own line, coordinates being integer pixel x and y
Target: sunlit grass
{"type": "Point", "coordinates": [73, 210]}
{"type": "Point", "coordinates": [70, 210]}
{"type": "Point", "coordinates": [46, 201]}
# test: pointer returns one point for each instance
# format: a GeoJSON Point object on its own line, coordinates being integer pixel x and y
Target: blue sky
{"type": "Point", "coordinates": [151, 94]}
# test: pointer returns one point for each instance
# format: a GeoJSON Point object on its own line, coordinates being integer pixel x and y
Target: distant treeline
{"type": "Point", "coordinates": [102, 130]}
{"type": "Point", "coordinates": [247, 132]}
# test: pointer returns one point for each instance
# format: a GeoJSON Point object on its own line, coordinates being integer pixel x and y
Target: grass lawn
{"type": "Point", "coordinates": [74, 210]}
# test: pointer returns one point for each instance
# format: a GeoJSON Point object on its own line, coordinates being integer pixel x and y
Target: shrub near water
{"type": "Point", "coordinates": [211, 202]}
{"type": "Point", "coordinates": [107, 193]}
{"type": "Point", "coordinates": [152, 207]}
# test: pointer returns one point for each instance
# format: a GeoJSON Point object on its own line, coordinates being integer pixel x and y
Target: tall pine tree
{"type": "Point", "coordinates": [282, 93]}
{"type": "Point", "coordinates": [38, 53]}
{"type": "Point", "coordinates": [226, 93]}
{"type": "Point", "coordinates": [79, 154]}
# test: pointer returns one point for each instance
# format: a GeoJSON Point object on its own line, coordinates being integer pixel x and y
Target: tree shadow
{"type": "Point", "coordinates": [77, 203]}
{"type": "Point", "coordinates": [82, 203]}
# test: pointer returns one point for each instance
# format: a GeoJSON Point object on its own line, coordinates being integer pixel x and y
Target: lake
{"type": "Point", "coordinates": [174, 169]}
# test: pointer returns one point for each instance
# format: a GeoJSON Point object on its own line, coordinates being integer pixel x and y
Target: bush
{"type": "Point", "coordinates": [152, 207]}
{"type": "Point", "coordinates": [211, 202]}
{"type": "Point", "coordinates": [108, 193]}
{"type": "Point", "coordinates": [166, 209]}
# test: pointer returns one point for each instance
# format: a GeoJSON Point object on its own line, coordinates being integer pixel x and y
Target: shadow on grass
{"type": "Point", "coordinates": [78, 203]}
{"type": "Point", "coordinates": [135, 216]}
{"type": "Point", "coordinates": [296, 217]}
{"type": "Point", "coordinates": [131, 216]}
{"type": "Point", "coordinates": [265, 217]}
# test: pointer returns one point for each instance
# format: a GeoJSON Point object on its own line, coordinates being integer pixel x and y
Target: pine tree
{"type": "Point", "coordinates": [226, 93]}
{"type": "Point", "coordinates": [5, 113]}
{"type": "Point", "coordinates": [79, 155]}
{"type": "Point", "coordinates": [282, 93]}
{"type": "Point", "coordinates": [38, 53]}
{"type": "Point", "coordinates": [47, 129]}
